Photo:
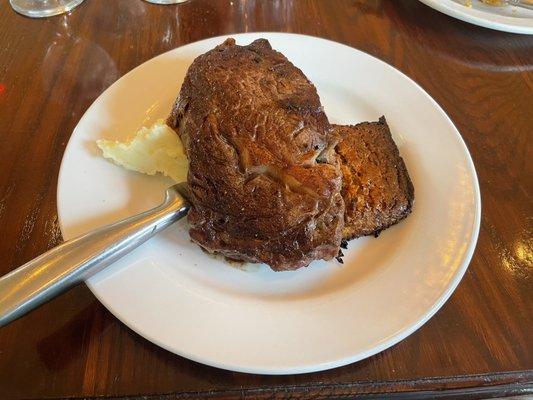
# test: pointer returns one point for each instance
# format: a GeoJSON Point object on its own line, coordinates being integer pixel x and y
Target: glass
{"type": "Point", "coordinates": [166, 1]}
{"type": "Point", "coordinates": [43, 8]}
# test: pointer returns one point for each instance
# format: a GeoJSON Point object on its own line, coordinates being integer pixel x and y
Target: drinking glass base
{"type": "Point", "coordinates": [43, 8]}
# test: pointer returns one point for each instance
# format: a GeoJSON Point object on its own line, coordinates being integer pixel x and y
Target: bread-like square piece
{"type": "Point", "coordinates": [377, 190]}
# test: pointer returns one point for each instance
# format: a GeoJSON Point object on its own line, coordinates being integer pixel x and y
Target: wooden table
{"type": "Point", "coordinates": [481, 342]}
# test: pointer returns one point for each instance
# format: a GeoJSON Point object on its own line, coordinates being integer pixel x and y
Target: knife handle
{"type": "Point", "coordinates": [70, 263]}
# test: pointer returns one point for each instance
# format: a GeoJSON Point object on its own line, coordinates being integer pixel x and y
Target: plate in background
{"type": "Point", "coordinates": [508, 18]}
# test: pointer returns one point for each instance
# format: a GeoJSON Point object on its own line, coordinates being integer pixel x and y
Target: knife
{"type": "Point", "coordinates": [76, 260]}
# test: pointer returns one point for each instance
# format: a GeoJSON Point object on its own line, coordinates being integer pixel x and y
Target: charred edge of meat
{"type": "Point", "coordinates": [339, 257]}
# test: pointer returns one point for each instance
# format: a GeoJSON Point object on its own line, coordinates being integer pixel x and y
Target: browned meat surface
{"type": "Point", "coordinates": [264, 179]}
{"type": "Point", "coordinates": [377, 190]}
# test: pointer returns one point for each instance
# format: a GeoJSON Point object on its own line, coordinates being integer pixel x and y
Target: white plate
{"type": "Point", "coordinates": [259, 321]}
{"type": "Point", "coordinates": [508, 19]}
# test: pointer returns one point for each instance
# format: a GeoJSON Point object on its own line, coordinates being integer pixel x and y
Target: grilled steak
{"type": "Point", "coordinates": [377, 190]}
{"type": "Point", "coordinates": [264, 179]}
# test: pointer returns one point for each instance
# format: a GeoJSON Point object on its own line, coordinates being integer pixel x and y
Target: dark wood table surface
{"type": "Point", "coordinates": [479, 345]}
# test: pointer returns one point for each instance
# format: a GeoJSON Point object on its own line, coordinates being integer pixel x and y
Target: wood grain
{"type": "Point", "coordinates": [478, 345]}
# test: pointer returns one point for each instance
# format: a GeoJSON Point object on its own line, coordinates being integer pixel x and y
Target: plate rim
{"type": "Point", "coordinates": [454, 281]}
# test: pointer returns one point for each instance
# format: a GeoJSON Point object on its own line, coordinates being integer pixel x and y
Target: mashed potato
{"type": "Point", "coordinates": [157, 149]}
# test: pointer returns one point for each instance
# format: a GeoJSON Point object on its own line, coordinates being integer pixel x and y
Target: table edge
{"type": "Point", "coordinates": [487, 385]}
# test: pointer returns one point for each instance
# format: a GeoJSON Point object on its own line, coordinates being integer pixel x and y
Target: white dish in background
{"type": "Point", "coordinates": [508, 18]}
{"type": "Point", "coordinates": [256, 320]}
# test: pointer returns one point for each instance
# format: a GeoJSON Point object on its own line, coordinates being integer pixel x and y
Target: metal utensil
{"type": "Point", "coordinates": [521, 3]}
{"type": "Point", "coordinates": [72, 262]}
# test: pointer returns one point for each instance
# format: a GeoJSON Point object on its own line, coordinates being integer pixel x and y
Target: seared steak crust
{"type": "Point", "coordinates": [264, 181]}
{"type": "Point", "coordinates": [377, 190]}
